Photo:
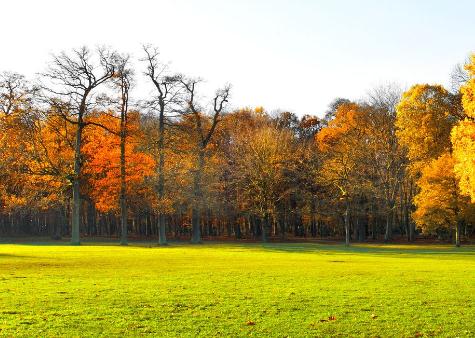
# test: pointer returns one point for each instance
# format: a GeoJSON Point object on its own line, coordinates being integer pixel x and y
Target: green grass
{"type": "Point", "coordinates": [222, 289]}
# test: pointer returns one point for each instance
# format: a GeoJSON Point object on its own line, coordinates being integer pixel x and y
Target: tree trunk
{"type": "Point", "coordinates": [123, 187]}
{"type": "Point", "coordinates": [237, 228]}
{"type": "Point", "coordinates": [162, 230]}
{"type": "Point", "coordinates": [162, 234]}
{"type": "Point", "coordinates": [197, 194]}
{"type": "Point", "coordinates": [265, 227]}
{"type": "Point", "coordinates": [347, 224]}
{"type": "Point", "coordinates": [76, 212]}
{"type": "Point", "coordinates": [457, 233]}
{"type": "Point", "coordinates": [388, 230]}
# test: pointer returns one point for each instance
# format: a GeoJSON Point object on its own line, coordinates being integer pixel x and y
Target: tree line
{"type": "Point", "coordinates": [80, 156]}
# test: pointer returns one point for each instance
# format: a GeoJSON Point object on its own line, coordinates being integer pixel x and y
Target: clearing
{"type": "Point", "coordinates": [276, 290]}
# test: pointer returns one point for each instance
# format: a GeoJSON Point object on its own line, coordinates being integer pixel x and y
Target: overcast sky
{"type": "Point", "coordinates": [291, 55]}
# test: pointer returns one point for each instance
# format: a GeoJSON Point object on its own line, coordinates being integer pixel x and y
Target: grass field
{"type": "Point", "coordinates": [276, 290]}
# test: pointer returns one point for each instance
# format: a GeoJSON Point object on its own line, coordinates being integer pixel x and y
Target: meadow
{"type": "Point", "coordinates": [216, 289]}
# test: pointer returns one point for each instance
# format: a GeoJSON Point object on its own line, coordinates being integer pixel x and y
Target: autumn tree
{"type": "Point", "coordinates": [463, 137]}
{"type": "Point", "coordinates": [386, 157]}
{"type": "Point", "coordinates": [122, 82]}
{"type": "Point", "coordinates": [425, 117]}
{"type": "Point", "coordinates": [165, 102]}
{"type": "Point", "coordinates": [439, 203]}
{"type": "Point", "coordinates": [102, 154]}
{"type": "Point", "coordinates": [70, 86]}
{"type": "Point", "coordinates": [203, 130]}
{"type": "Point", "coordinates": [262, 160]}
{"type": "Point", "coordinates": [342, 143]}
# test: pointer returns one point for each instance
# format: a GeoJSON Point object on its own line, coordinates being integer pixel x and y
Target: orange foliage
{"type": "Point", "coordinates": [102, 167]}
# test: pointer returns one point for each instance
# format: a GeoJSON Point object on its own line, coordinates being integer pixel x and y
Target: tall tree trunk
{"type": "Point", "coordinates": [197, 194]}
{"type": "Point", "coordinates": [76, 209]}
{"type": "Point", "coordinates": [162, 234]}
{"type": "Point", "coordinates": [458, 229]}
{"type": "Point", "coordinates": [347, 224]}
{"type": "Point", "coordinates": [162, 230]}
{"type": "Point", "coordinates": [123, 186]}
{"type": "Point", "coordinates": [265, 227]}
{"type": "Point", "coordinates": [237, 228]}
{"type": "Point", "coordinates": [388, 226]}
{"type": "Point", "coordinates": [388, 230]}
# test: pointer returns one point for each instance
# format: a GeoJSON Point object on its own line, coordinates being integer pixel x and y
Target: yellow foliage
{"type": "Point", "coordinates": [439, 204]}
{"type": "Point", "coordinates": [463, 138]}
{"type": "Point", "coordinates": [468, 90]}
{"type": "Point", "coordinates": [424, 123]}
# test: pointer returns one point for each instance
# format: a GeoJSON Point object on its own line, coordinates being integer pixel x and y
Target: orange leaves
{"type": "Point", "coordinates": [331, 318]}
{"type": "Point", "coordinates": [37, 157]}
{"type": "Point", "coordinates": [344, 144]}
{"type": "Point", "coordinates": [102, 162]}
{"type": "Point", "coordinates": [347, 129]}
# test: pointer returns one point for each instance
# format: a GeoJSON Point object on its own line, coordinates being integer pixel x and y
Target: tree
{"type": "Point", "coordinates": [122, 81]}
{"type": "Point", "coordinates": [386, 157]}
{"type": "Point", "coordinates": [166, 101]}
{"type": "Point", "coordinates": [425, 117]}
{"type": "Point", "coordinates": [103, 169]}
{"type": "Point", "coordinates": [343, 144]}
{"type": "Point", "coordinates": [439, 203]}
{"type": "Point", "coordinates": [463, 137]}
{"type": "Point", "coordinates": [202, 135]}
{"type": "Point", "coordinates": [262, 159]}
{"type": "Point", "coordinates": [70, 85]}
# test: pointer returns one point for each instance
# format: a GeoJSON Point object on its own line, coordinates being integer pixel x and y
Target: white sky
{"type": "Point", "coordinates": [292, 55]}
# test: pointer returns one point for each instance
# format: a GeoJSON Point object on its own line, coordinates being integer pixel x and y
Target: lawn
{"type": "Point", "coordinates": [275, 290]}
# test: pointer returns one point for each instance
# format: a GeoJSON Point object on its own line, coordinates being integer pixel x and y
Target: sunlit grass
{"type": "Point", "coordinates": [237, 290]}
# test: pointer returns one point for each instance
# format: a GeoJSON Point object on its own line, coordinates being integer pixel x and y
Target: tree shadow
{"type": "Point", "coordinates": [403, 251]}
{"type": "Point", "coordinates": [11, 256]}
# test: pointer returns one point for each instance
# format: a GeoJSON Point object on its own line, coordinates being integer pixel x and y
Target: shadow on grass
{"type": "Point", "coordinates": [378, 249]}
{"type": "Point", "coordinates": [6, 256]}
{"type": "Point", "coordinates": [400, 250]}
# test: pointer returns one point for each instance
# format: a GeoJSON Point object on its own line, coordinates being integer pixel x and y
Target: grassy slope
{"type": "Point", "coordinates": [214, 290]}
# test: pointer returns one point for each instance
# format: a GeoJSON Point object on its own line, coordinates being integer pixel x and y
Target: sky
{"type": "Point", "coordinates": [289, 55]}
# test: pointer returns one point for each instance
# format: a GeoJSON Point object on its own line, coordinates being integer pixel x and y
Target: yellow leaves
{"type": "Point", "coordinates": [439, 204]}
{"type": "Point", "coordinates": [259, 110]}
{"type": "Point", "coordinates": [436, 197]}
{"type": "Point", "coordinates": [468, 90]}
{"type": "Point", "coordinates": [10, 202]}
{"type": "Point", "coordinates": [463, 140]}
{"type": "Point", "coordinates": [423, 123]}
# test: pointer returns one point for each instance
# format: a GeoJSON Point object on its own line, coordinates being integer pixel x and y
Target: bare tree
{"type": "Point", "coordinates": [165, 102]}
{"type": "Point", "coordinates": [459, 76]}
{"type": "Point", "coordinates": [204, 136]}
{"type": "Point", "coordinates": [385, 97]}
{"type": "Point", "coordinates": [123, 81]}
{"type": "Point", "coordinates": [15, 93]}
{"type": "Point", "coordinates": [70, 85]}
{"type": "Point", "coordinates": [387, 158]}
